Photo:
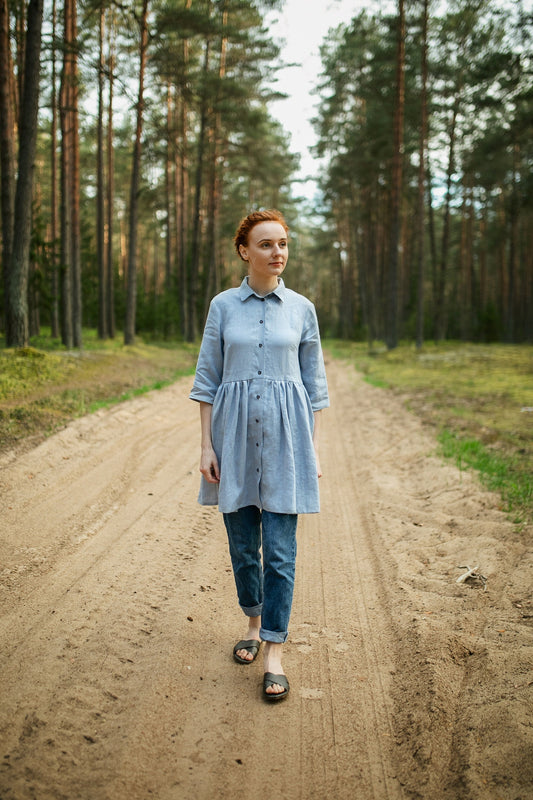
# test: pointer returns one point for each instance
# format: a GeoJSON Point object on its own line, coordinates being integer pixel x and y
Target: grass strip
{"type": "Point", "coordinates": [43, 386]}
{"type": "Point", "coordinates": [498, 473]}
{"type": "Point", "coordinates": [138, 392]}
{"type": "Point", "coordinates": [478, 398]}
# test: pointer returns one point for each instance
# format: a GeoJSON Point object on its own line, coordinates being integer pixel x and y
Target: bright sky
{"type": "Point", "coordinates": [302, 25]}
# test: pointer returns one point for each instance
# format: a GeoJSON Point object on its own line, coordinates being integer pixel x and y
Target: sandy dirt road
{"type": "Point", "coordinates": [119, 615]}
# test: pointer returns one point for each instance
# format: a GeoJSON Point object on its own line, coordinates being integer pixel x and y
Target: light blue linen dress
{"type": "Point", "coordinates": [261, 367]}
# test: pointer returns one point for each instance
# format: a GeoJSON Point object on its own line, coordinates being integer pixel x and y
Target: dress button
{"type": "Point", "coordinates": [257, 444]}
{"type": "Point", "coordinates": [260, 321]}
{"type": "Point", "coordinates": [262, 299]}
{"type": "Point", "coordinates": [257, 470]}
{"type": "Point", "coordinates": [259, 372]}
{"type": "Point", "coordinates": [260, 345]}
{"type": "Point", "coordinates": [258, 397]}
{"type": "Point", "coordinates": [257, 420]}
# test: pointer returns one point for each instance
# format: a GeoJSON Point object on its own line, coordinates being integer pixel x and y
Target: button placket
{"type": "Point", "coordinates": [260, 372]}
{"type": "Point", "coordinates": [261, 359]}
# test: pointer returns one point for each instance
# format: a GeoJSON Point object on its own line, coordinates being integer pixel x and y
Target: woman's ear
{"type": "Point", "coordinates": [243, 252]}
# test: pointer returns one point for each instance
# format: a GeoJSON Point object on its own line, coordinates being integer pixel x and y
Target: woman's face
{"type": "Point", "coordinates": [267, 251]}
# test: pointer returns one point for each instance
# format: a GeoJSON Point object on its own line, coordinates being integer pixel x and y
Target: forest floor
{"type": "Point", "coordinates": [119, 617]}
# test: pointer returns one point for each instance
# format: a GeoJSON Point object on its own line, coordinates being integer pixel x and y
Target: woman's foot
{"type": "Point", "coordinates": [271, 681]}
{"type": "Point", "coordinates": [272, 664]}
{"type": "Point", "coordinates": [245, 655]}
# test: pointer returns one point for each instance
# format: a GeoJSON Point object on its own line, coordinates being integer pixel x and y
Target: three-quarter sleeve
{"type": "Point", "coordinates": [312, 362]}
{"type": "Point", "coordinates": [209, 368]}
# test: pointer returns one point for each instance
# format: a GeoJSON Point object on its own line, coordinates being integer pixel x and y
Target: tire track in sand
{"type": "Point", "coordinates": [346, 624]}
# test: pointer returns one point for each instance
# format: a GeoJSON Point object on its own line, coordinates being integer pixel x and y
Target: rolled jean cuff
{"type": "Point", "coordinates": [253, 611]}
{"type": "Point", "coordinates": [273, 636]}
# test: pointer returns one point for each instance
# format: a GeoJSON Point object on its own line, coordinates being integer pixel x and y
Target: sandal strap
{"type": "Point", "coordinates": [269, 679]}
{"type": "Point", "coordinates": [252, 645]}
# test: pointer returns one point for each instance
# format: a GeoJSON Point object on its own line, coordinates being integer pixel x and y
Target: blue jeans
{"type": "Point", "coordinates": [264, 590]}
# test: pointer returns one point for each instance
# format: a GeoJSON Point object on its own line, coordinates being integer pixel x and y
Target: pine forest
{"type": "Point", "coordinates": [134, 136]}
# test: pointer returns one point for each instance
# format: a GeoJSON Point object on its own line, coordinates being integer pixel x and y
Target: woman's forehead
{"type": "Point", "coordinates": [268, 230]}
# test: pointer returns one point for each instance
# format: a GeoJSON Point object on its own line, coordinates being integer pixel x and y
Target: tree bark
{"type": "Point", "coordinates": [131, 289]}
{"type": "Point", "coordinates": [110, 188]}
{"type": "Point", "coordinates": [53, 189]}
{"type": "Point", "coordinates": [440, 304]}
{"type": "Point", "coordinates": [514, 213]}
{"type": "Point", "coordinates": [181, 195]}
{"type": "Point", "coordinates": [66, 104]}
{"type": "Point", "coordinates": [397, 164]}
{"type": "Point", "coordinates": [169, 213]}
{"type": "Point", "coordinates": [75, 190]}
{"type": "Point", "coordinates": [421, 227]}
{"type": "Point", "coordinates": [196, 228]}
{"type": "Point", "coordinates": [100, 188]}
{"type": "Point", "coordinates": [212, 283]}
{"type": "Point", "coordinates": [17, 303]}
{"type": "Point", "coordinates": [7, 149]}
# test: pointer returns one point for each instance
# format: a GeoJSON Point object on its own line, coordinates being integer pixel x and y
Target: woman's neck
{"type": "Point", "coordinates": [262, 289]}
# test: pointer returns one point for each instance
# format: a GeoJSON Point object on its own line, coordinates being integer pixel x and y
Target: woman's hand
{"type": "Point", "coordinates": [316, 430]}
{"type": "Point", "coordinates": [209, 465]}
{"type": "Point", "coordinates": [208, 459]}
{"type": "Point", "coordinates": [318, 468]}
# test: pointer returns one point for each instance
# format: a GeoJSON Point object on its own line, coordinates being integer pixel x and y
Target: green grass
{"type": "Point", "coordinates": [43, 386]}
{"type": "Point", "coordinates": [475, 396]}
{"type": "Point", "coordinates": [498, 473]}
{"type": "Point", "coordinates": [140, 390]}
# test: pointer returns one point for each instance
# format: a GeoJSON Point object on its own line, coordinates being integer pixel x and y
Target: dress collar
{"type": "Point", "coordinates": [246, 291]}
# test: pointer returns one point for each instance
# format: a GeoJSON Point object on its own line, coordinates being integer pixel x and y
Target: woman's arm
{"type": "Point", "coordinates": [208, 459]}
{"type": "Point", "coordinates": [316, 436]}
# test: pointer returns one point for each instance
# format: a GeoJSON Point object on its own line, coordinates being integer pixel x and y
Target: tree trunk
{"type": "Point", "coordinates": [100, 189]}
{"type": "Point", "coordinates": [514, 213]}
{"type": "Point", "coordinates": [66, 219]}
{"type": "Point", "coordinates": [392, 283]}
{"type": "Point", "coordinates": [181, 179]}
{"type": "Point", "coordinates": [464, 300]}
{"type": "Point", "coordinates": [421, 228]}
{"type": "Point", "coordinates": [75, 190]}
{"type": "Point", "coordinates": [53, 189]}
{"type": "Point", "coordinates": [181, 192]}
{"type": "Point", "coordinates": [17, 301]}
{"type": "Point", "coordinates": [440, 307]}
{"type": "Point", "coordinates": [170, 215]}
{"type": "Point", "coordinates": [212, 283]}
{"type": "Point", "coordinates": [34, 295]}
{"type": "Point", "coordinates": [131, 297]}
{"type": "Point", "coordinates": [196, 230]}
{"type": "Point", "coordinates": [110, 188]}
{"type": "Point", "coordinates": [7, 149]}
{"type": "Point", "coordinates": [431, 231]}
{"type": "Point", "coordinates": [71, 278]}
{"type": "Point", "coordinates": [483, 289]}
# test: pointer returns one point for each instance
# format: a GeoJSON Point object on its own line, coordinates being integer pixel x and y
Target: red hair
{"type": "Point", "coordinates": [253, 219]}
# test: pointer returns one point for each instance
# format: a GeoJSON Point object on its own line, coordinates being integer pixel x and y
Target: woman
{"type": "Point", "coordinates": [261, 384]}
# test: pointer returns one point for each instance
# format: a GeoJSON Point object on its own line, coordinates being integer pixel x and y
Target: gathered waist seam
{"type": "Point", "coordinates": [262, 378]}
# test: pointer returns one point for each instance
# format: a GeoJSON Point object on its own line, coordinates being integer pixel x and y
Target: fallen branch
{"type": "Point", "coordinates": [472, 574]}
